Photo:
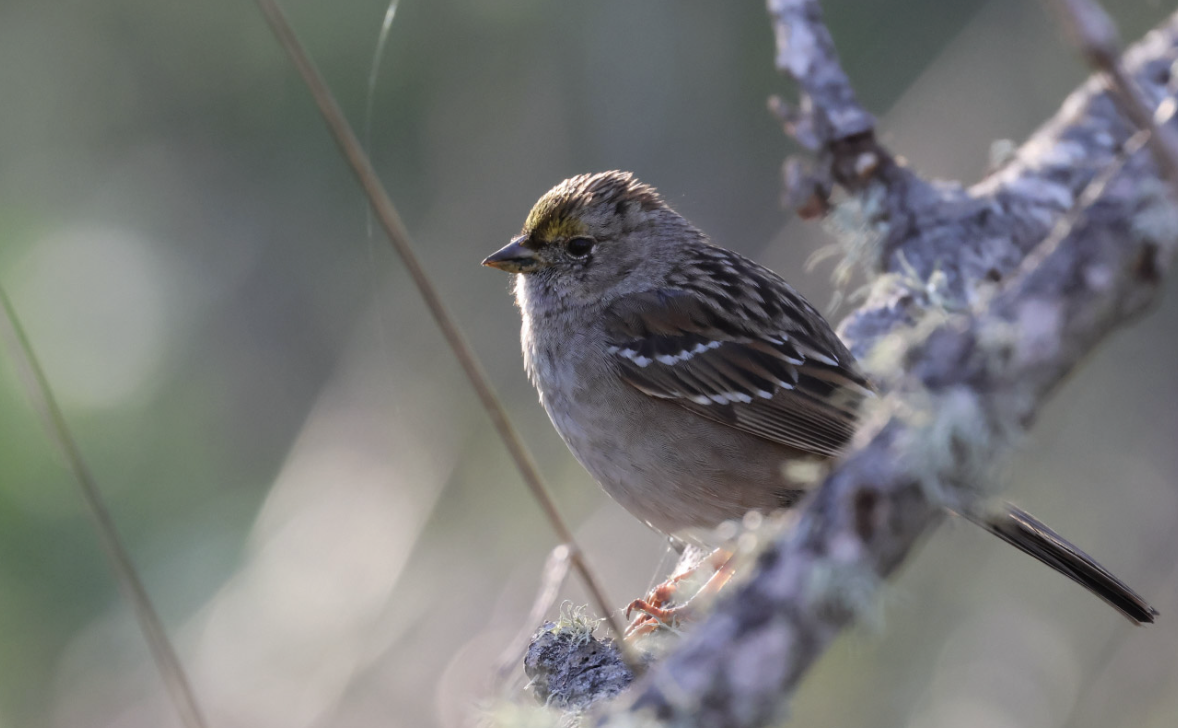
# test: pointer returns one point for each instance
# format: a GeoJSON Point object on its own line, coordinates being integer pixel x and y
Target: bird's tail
{"type": "Point", "coordinates": [1031, 536]}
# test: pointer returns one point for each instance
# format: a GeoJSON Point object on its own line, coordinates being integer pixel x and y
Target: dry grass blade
{"type": "Point", "coordinates": [390, 220]}
{"type": "Point", "coordinates": [552, 577]}
{"type": "Point", "coordinates": [175, 680]}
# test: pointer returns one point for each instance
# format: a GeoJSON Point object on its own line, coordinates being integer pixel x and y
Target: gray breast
{"type": "Point", "coordinates": [670, 468]}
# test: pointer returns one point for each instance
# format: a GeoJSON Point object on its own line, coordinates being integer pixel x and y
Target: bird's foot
{"type": "Point", "coordinates": [651, 618]}
{"type": "Point", "coordinates": [655, 611]}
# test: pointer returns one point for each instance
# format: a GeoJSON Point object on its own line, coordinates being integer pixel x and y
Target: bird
{"type": "Point", "coordinates": [685, 377]}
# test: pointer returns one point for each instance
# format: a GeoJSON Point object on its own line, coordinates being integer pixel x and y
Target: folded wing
{"type": "Point", "coordinates": [768, 365]}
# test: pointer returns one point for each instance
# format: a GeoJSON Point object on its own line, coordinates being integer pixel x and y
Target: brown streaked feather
{"type": "Point", "coordinates": [770, 366]}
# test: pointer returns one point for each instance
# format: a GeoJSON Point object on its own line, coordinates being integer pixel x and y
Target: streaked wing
{"type": "Point", "coordinates": [765, 363]}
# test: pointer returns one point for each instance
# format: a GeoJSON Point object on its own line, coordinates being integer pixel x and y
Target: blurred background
{"type": "Point", "coordinates": [328, 524]}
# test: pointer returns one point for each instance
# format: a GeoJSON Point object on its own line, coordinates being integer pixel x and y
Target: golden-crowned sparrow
{"type": "Point", "coordinates": [684, 376]}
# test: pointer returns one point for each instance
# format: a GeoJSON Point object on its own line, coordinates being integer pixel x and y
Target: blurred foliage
{"type": "Point", "coordinates": [302, 475]}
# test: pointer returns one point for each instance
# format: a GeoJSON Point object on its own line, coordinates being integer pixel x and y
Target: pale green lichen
{"type": "Point", "coordinates": [574, 620]}
{"type": "Point", "coordinates": [859, 224]}
{"type": "Point", "coordinates": [933, 293]}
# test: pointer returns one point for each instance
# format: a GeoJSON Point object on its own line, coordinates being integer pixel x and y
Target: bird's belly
{"type": "Point", "coordinates": [670, 468]}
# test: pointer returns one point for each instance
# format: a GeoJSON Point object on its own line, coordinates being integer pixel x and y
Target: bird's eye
{"type": "Point", "coordinates": [579, 247]}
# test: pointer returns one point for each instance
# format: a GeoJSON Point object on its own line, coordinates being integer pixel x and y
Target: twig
{"type": "Point", "coordinates": [162, 651]}
{"type": "Point", "coordinates": [398, 236]}
{"type": "Point", "coordinates": [1095, 35]}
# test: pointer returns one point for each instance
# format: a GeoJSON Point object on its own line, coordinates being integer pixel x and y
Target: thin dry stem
{"type": "Point", "coordinates": [162, 651]}
{"type": "Point", "coordinates": [398, 236]}
{"type": "Point", "coordinates": [552, 578]}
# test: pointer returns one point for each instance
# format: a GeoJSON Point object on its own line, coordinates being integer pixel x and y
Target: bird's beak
{"type": "Point", "coordinates": [514, 257]}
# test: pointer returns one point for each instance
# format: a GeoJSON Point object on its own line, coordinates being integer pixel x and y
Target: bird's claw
{"type": "Point", "coordinates": [654, 612]}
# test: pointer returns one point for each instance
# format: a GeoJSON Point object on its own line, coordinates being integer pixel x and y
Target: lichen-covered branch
{"type": "Point", "coordinates": [986, 298]}
{"type": "Point", "coordinates": [944, 243]}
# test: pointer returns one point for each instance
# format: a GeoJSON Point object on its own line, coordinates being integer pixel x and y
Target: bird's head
{"type": "Point", "coordinates": [594, 236]}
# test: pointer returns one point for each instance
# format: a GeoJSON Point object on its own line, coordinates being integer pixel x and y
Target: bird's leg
{"type": "Point", "coordinates": [654, 610]}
